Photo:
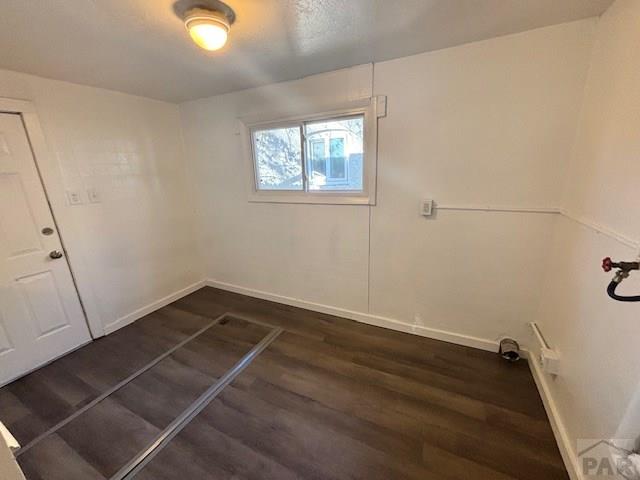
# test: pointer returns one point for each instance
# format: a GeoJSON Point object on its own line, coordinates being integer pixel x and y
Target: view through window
{"type": "Point", "coordinates": [315, 156]}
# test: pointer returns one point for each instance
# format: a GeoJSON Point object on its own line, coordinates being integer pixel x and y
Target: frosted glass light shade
{"type": "Point", "coordinates": [208, 29]}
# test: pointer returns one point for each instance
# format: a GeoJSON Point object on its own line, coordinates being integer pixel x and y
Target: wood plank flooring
{"type": "Point", "coordinates": [329, 399]}
{"type": "Point", "coordinates": [113, 431]}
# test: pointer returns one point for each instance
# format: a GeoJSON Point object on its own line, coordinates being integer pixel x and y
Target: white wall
{"type": "Point", "coordinates": [489, 123]}
{"type": "Point", "coordinates": [318, 253]}
{"type": "Point", "coordinates": [597, 394]}
{"type": "Point", "coordinates": [137, 246]}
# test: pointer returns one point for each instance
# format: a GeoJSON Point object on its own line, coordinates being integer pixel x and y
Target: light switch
{"type": "Point", "coordinates": [94, 195]}
{"type": "Point", "coordinates": [74, 197]}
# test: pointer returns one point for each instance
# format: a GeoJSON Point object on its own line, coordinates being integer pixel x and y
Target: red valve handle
{"type": "Point", "coordinates": [607, 264]}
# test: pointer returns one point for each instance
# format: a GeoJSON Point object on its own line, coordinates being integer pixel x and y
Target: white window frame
{"type": "Point", "coordinates": [368, 107]}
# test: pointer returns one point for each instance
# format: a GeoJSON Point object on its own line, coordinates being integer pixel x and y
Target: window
{"type": "Point", "coordinates": [333, 151]}
{"type": "Point", "coordinates": [321, 158]}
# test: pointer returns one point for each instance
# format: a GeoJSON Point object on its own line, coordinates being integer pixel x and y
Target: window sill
{"type": "Point", "coordinates": [322, 199]}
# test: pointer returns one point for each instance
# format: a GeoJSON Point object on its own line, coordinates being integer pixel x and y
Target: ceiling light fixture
{"type": "Point", "coordinates": [209, 28]}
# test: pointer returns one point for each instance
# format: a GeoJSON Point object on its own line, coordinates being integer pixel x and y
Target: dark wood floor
{"type": "Point", "coordinates": [329, 399]}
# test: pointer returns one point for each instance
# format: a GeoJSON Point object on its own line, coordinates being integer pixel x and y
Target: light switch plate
{"type": "Point", "coordinates": [94, 195]}
{"type": "Point", "coordinates": [74, 197]}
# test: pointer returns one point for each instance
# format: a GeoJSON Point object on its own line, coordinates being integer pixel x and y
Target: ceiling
{"type": "Point", "coordinates": [141, 47]}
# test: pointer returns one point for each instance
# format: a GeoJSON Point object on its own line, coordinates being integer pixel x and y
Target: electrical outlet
{"type": "Point", "coordinates": [74, 197]}
{"type": "Point", "coordinates": [426, 208]}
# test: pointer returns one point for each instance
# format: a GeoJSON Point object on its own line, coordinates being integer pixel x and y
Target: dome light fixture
{"type": "Point", "coordinates": [208, 28]}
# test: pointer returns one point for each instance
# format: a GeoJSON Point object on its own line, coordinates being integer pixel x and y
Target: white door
{"type": "Point", "coordinates": [40, 313]}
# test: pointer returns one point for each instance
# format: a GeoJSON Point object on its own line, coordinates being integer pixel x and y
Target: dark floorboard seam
{"type": "Point", "coordinates": [144, 457]}
{"type": "Point", "coordinates": [117, 387]}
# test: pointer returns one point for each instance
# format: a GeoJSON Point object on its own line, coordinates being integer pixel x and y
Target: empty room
{"type": "Point", "coordinates": [319, 240]}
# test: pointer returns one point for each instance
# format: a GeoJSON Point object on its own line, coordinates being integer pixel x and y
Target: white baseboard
{"type": "Point", "coordinates": [152, 307]}
{"type": "Point", "coordinates": [378, 321]}
{"type": "Point", "coordinates": [559, 430]}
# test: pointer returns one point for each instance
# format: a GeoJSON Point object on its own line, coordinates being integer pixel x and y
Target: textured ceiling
{"type": "Point", "coordinates": [141, 47]}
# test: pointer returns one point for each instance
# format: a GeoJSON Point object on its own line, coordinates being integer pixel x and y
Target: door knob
{"type": "Point", "coordinates": [55, 254]}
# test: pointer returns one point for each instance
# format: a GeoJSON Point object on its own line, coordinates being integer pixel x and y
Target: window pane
{"type": "Point", "coordinates": [278, 157]}
{"type": "Point", "coordinates": [335, 149]}
{"type": "Point", "coordinates": [318, 158]}
{"type": "Point", "coordinates": [337, 160]}
{"type": "Point", "coordinates": [338, 168]}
